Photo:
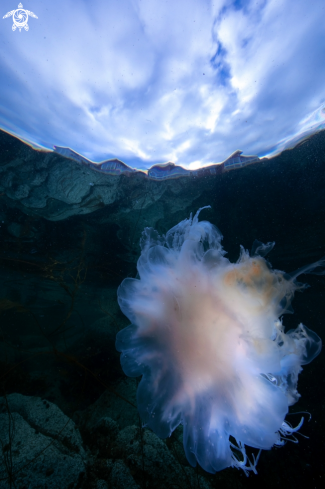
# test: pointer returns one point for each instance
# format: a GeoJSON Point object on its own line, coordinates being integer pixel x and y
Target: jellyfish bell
{"type": "Point", "coordinates": [208, 340]}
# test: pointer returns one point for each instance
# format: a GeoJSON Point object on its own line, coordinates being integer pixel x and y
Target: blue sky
{"type": "Point", "coordinates": [149, 81]}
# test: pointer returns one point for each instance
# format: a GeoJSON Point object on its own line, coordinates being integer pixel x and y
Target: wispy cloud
{"type": "Point", "coordinates": [149, 81]}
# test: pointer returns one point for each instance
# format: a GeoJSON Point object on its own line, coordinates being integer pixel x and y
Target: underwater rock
{"type": "Point", "coordinates": [145, 451]}
{"type": "Point", "coordinates": [124, 458]}
{"type": "Point", "coordinates": [110, 405]}
{"type": "Point", "coordinates": [121, 477]}
{"type": "Point", "coordinates": [57, 188]}
{"type": "Point", "coordinates": [41, 446]}
{"type": "Point", "coordinates": [60, 184]}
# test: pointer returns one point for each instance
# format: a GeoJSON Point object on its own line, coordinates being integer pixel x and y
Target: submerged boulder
{"type": "Point", "coordinates": [41, 446]}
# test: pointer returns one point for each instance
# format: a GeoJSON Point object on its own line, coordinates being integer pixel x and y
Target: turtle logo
{"type": "Point", "coordinates": [20, 18]}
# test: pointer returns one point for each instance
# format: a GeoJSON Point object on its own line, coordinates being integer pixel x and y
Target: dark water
{"type": "Point", "coordinates": [62, 257]}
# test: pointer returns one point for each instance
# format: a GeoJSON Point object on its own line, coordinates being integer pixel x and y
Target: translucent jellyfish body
{"type": "Point", "coordinates": [207, 339]}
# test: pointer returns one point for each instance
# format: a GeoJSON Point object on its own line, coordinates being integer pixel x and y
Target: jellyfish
{"type": "Point", "coordinates": [208, 339]}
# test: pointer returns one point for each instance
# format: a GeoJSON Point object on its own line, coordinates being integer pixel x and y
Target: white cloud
{"type": "Point", "coordinates": [149, 81]}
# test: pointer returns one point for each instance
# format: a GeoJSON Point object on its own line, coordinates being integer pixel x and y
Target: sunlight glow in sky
{"type": "Point", "coordinates": [148, 81]}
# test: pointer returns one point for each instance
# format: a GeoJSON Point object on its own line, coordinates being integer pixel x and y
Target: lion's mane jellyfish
{"type": "Point", "coordinates": [208, 340]}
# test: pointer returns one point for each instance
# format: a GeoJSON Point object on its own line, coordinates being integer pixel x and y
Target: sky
{"type": "Point", "coordinates": [150, 81]}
